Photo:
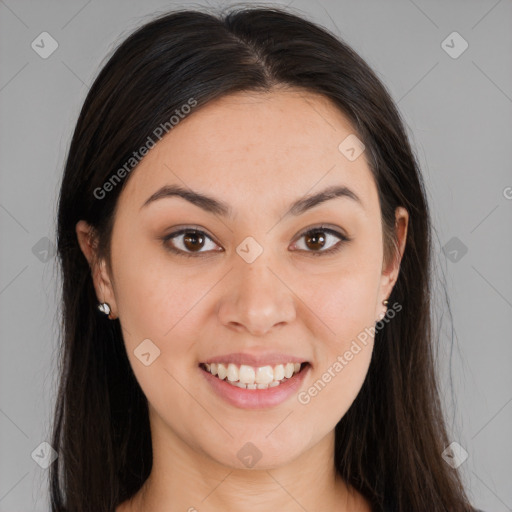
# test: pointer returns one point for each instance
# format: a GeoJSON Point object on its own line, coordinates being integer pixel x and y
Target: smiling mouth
{"type": "Point", "coordinates": [251, 377]}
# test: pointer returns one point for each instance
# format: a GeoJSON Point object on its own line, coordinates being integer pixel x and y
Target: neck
{"type": "Point", "coordinates": [182, 479]}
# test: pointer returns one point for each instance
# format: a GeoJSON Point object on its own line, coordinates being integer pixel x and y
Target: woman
{"type": "Point", "coordinates": [245, 247]}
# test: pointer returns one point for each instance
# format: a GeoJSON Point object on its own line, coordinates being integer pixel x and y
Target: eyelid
{"type": "Point", "coordinates": [329, 228]}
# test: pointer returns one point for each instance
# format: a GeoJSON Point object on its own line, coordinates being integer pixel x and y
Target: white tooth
{"type": "Point", "coordinates": [232, 372]}
{"type": "Point", "coordinates": [264, 375]}
{"type": "Point", "coordinates": [221, 371]}
{"type": "Point", "coordinates": [246, 374]}
{"type": "Point", "coordinates": [279, 372]}
{"type": "Point", "coordinates": [253, 378]}
{"type": "Point", "coordinates": [239, 385]}
{"type": "Point", "coordinates": [288, 370]}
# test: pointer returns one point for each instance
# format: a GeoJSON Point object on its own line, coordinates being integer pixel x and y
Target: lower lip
{"type": "Point", "coordinates": [256, 398]}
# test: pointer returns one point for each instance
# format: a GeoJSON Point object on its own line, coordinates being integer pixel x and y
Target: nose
{"type": "Point", "coordinates": [257, 299]}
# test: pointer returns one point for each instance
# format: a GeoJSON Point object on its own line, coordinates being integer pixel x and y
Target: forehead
{"type": "Point", "coordinates": [273, 146]}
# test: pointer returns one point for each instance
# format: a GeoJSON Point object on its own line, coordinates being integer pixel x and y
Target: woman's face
{"type": "Point", "coordinates": [255, 289]}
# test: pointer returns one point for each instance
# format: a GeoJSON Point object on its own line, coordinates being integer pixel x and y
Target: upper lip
{"type": "Point", "coordinates": [268, 359]}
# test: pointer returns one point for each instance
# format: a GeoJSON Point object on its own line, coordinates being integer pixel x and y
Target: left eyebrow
{"type": "Point", "coordinates": [218, 207]}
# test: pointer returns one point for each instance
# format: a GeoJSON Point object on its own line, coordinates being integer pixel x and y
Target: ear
{"type": "Point", "coordinates": [101, 279]}
{"type": "Point", "coordinates": [391, 270]}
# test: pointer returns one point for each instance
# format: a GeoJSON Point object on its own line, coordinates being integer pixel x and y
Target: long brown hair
{"type": "Point", "coordinates": [389, 443]}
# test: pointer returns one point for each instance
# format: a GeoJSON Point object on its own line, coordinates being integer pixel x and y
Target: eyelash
{"type": "Point", "coordinates": [319, 229]}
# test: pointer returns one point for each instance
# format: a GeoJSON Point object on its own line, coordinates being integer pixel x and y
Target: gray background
{"type": "Point", "coordinates": [458, 113]}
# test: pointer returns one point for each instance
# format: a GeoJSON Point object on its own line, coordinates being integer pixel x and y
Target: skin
{"type": "Point", "coordinates": [257, 152]}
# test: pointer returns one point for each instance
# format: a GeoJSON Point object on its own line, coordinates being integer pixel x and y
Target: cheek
{"type": "Point", "coordinates": [344, 299]}
{"type": "Point", "coordinates": [150, 299]}
{"type": "Point", "coordinates": [152, 291]}
{"type": "Point", "coordinates": [344, 349]}
{"type": "Point", "coordinates": [157, 302]}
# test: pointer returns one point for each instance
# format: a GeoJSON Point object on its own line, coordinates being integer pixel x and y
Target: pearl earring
{"type": "Point", "coordinates": [105, 308]}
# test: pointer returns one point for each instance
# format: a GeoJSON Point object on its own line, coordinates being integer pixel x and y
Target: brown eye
{"type": "Point", "coordinates": [317, 239]}
{"type": "Point", "coordinates": [193, 241]}
{"type": "Point", "coordinates": [189, 242]}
